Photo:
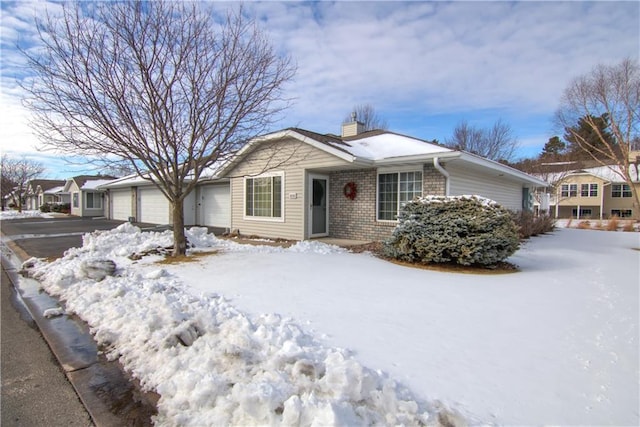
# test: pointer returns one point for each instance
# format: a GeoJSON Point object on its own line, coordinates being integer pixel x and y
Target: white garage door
{"type": "Point", "coordinates": [216, 206]}
{"type": "Point", "coordinates": [153, 206]}
{"type": "Point", "coordinates": [121, 204]}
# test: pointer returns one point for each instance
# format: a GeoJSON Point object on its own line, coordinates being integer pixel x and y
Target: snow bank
{"type": "Point", "coordinates": [13, 214]}
{"type": "Point", "coordinates": [210, 363]}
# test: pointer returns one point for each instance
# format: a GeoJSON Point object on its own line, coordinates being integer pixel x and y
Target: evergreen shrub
{"type": "Point", "coordinates": [466, 230]}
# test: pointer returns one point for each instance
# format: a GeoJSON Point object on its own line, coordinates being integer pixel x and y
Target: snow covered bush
{"type": "Point", "coordinates": [467, 230]}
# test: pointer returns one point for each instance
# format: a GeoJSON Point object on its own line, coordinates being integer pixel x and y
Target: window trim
{"type": "Point", "coordinates": [93, 198]}
{"type": "Point", "coordinates": [396, 171]}
{"type": "Point", "coordinates": [246, 217]}
{"type": "Point", "coordinates": [620, 194]}
{"type": "Point", "coordinates": [591, 189]}
{"type": "Point", "coordinates": [75, 200]}
{"type": "Point", "coordinates": [572, 190]}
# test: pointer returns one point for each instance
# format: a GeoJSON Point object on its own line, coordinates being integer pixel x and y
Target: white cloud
{"type": "Point", "coordinates": [418, 62]}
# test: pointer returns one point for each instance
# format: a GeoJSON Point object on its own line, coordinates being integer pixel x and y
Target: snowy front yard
{"type": "Point", "coordinates": [315, 335]}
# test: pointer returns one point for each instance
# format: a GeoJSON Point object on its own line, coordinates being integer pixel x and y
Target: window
{"type": "Point", "coordinates": [75, 200]}
{"type": "Point", "coordinates": [395, 190]}
{"type": "Point", "coordinates": [583, 212]}
{"type": "Point", "coordinates": [569, 190]}
{"type": "Point", "coordinates": [589, 190]}
{"type": "Point", "coordinates": [93, 200]}
{"type": "Point", "coordinates": [263, 196]}
{"type": "Point", "coordinates": [620, 190]}
{"type": "Point", "coordinates": [621, 213]}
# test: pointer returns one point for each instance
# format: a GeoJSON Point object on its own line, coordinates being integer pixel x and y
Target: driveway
{"type": "Point", "coordinates": [51, 237]}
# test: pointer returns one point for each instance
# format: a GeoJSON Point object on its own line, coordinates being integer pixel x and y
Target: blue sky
{"type": "Point", "coordinates": [424, 66]}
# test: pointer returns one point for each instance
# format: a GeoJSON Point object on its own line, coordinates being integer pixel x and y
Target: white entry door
{"type": "Point", "coordinates": [318, 205]}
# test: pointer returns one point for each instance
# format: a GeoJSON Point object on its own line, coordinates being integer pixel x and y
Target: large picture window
{"type": "Point", "coordinates": [93, 200]}
{"type": "Point", "coordinates": [395, 190]}
{"type": "Point", "coordinates": [263, 196]}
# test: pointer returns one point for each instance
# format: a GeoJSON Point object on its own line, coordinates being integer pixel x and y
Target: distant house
{"type": "Point", "coordinates": [86, 199]}
{"type": "Point", "coordinates": [592, 192]}
{"type": "Point", "coordinates": [39, 192]}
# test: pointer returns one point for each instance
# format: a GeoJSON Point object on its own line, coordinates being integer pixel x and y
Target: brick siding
{"type": "Point", "coordinates": [356, 219]}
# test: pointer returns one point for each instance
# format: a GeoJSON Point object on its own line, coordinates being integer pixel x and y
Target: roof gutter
{"type": "Point", "coordinates": [447, 180]}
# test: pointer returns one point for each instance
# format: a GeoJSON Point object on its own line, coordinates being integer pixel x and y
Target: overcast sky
{"type": "Point", "coordinates": [424, 66]}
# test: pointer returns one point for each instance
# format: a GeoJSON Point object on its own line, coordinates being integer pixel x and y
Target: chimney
{"type": "Point", "coordinates": [352, 128]}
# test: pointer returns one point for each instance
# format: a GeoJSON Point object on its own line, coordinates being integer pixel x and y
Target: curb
{"type": "Point", "coordinates": [106, 391]}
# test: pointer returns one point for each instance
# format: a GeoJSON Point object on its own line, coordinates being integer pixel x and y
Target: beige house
{"type": "Point", "coordinates": [597, 192]}
{"type": "Point", "coordinates": [86, 199]}
{"type": "Point", "coordinates": [297, 184]}
{"type": "Point", "coordinates": [40, 191]}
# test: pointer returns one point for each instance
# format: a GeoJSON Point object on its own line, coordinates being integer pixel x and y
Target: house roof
{"type": "Point", "coordinates": [45, 184]}
{"type": "Point", "coordinates": [87, 182]}
{"type": "Point", "coordinates": [384, 148]}
{"type": "Point", "coordinates": [609, 173]}
{"type": "Point", "coordinates": [56, 190]}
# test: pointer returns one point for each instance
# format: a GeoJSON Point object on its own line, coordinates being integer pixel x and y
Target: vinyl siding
{"type": "Point", "coordinates": [467, 181]}
{"type": "Point", "coordinates": [294, 159]}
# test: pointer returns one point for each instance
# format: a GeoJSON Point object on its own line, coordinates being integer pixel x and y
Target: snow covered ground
{"type": "Point", "coordinates": [313, 335]}
{"type": "Point", "coordinates": [13, 214]}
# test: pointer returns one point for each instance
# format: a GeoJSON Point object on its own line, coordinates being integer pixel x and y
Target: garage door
{"type": "Point", "coordinates": [216, 206]}
{"type": "Point", "coordinates": [121, 204]}
{"type": "Point", "coordinates": [153, 206]}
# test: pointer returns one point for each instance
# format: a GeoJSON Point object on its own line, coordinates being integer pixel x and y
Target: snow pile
{"type": "Point", "coordinates": [210, 363]}
{"type": "Point", "coordinates": [13, 214]}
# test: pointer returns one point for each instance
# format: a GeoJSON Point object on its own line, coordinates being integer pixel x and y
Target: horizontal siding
{"type": "Point", "coordinates": [466, 181]}
{"type": "Point", "coordinates": [294, 159]}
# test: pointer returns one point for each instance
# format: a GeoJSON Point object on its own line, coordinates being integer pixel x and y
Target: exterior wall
{"type": "Point", "coordinates": [82, 209]}
{"type": "Point", "coordinates": [294, 159]}
{"type": "Point", "coordinates": [357, 219]}
{"type": "Point", "coordinates": [466, 181]}
{"type": "Point", "coordinates": [618, 203]}
{"type": "Point", "coordinates": [73, 189]}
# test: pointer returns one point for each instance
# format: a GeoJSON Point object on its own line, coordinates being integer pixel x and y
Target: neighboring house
{"type": "Point", "coordinates": [38, 192]}
{"type": "Point", "coordinates": [85, 197]}
{"type": "Point", "coordinates": [57, 195]}
{"type": "Point", "coordinates": [596, 192]}
{"type": "Point", "coordinates": [297, 184]}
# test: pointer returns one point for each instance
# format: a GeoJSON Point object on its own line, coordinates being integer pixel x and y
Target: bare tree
{"type": "Point", "coordinates": [16, 174]}
{"type": "Point", "coordinates": [611, 91]}
{"type": "Point", "coordinates": [497, 143]}
{"type": "Point", "coordinates": [368, 116]}
{"type": "Point", "coordinates": [167, 87]}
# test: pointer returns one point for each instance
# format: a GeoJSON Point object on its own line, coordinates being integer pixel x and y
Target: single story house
{"type": "Point", "coordinates": [297, 184]}
{"type": "Point", "coordinates": [85, 196]}
{"type": "Point", "coordinates": [38, 192]}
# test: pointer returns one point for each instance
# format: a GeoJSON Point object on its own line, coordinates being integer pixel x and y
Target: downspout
{"type": "Point", "coordinates": [439, 168]}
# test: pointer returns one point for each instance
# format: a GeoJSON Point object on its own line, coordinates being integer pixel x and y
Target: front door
{"type": "Point", "coordinates": [319, 205]}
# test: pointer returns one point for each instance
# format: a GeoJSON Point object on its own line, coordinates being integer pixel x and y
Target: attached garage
{"type": "Point", "coordinates": [120, 201]}
{"type": "Point", "coordinates": [153, 207]}
{"type": "Point", "coordinates": [215, 205]}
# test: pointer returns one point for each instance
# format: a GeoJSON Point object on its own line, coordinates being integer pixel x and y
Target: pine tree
{"type": "Point", "coordinates": [590, 137]}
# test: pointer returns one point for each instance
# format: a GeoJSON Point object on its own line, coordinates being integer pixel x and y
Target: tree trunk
{"type": "Point", "coordinates": [179, 239]}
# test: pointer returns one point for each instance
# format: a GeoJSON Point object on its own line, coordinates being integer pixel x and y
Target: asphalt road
{"type": "Point", "coordinates": [35, 391]}
{"type": "Point", "coordinates": [49, 238]}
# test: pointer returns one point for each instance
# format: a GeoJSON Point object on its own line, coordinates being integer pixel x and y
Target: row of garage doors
{"type": "Point", "coordinates": [208, 205]}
